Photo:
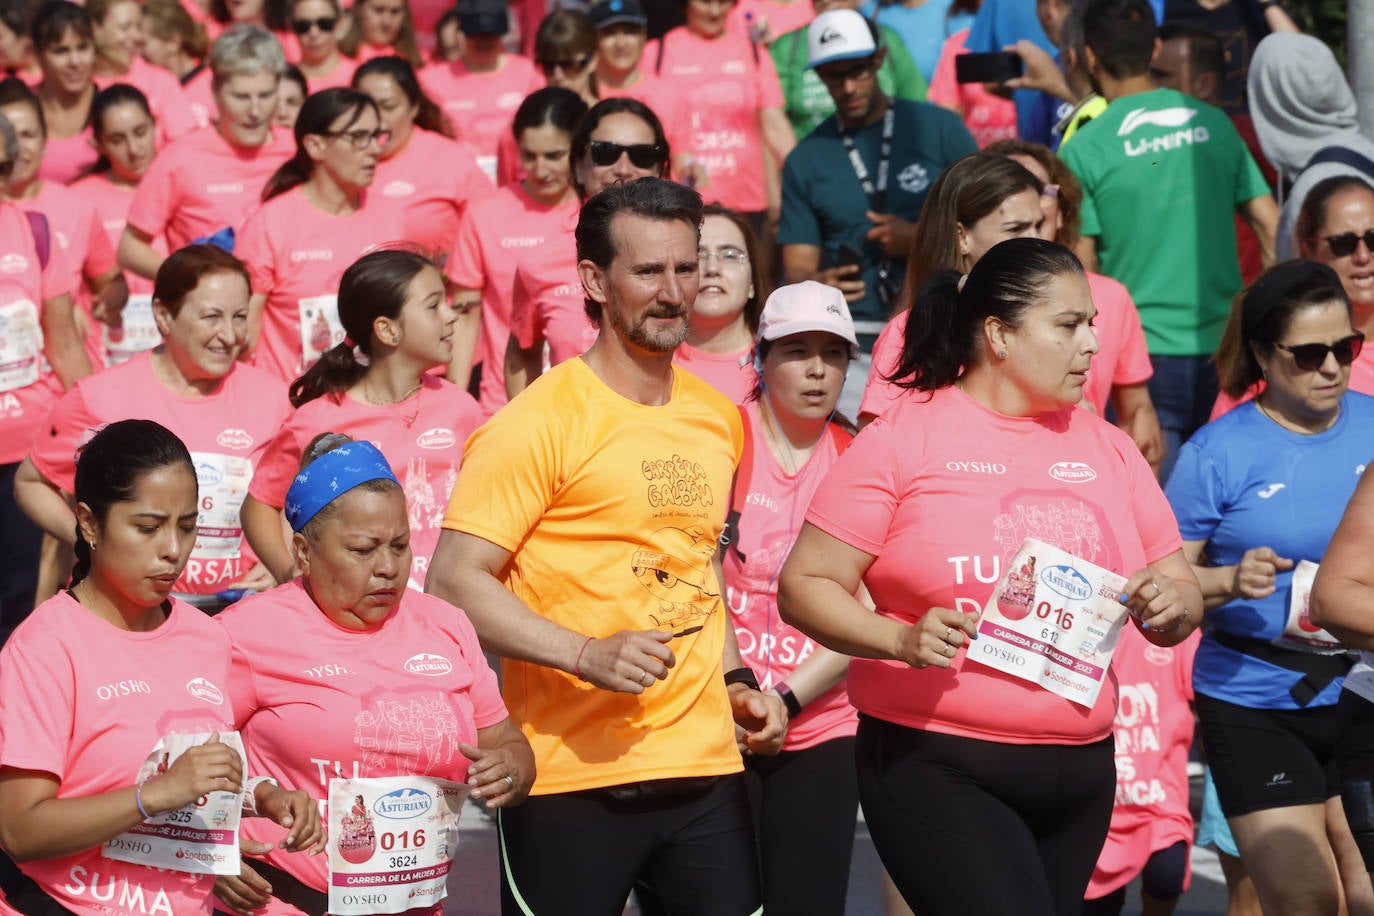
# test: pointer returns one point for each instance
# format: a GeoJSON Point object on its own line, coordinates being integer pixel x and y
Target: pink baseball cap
{"type": "Point", "coordinates": [808, 306]}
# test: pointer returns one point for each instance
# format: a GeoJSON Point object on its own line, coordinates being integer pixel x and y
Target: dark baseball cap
{"type": "Point", "coordinates": [483, 17]}
{"type": "Point", "coordinates": [610, 12]}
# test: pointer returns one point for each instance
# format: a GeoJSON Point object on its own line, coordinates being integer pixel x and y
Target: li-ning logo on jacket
{"type": "Point", "coordinates": [1165, 117]}
{"type": "Point", "coordinates": [1161, 143]}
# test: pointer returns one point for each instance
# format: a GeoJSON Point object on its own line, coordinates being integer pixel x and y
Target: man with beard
{"type": "Point", "coordinates": [580, 539]}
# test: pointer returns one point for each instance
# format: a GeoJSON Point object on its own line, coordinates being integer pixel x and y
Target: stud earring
{"type": "Point", "coordinates": [1001, 354]}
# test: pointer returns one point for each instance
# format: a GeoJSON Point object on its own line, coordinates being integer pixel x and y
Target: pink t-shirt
{"type": "Point", "coordinates": [780, 18]}
{"type": "Point", "coordinates": [64, 158]}
{"type": "Point", "coordinates": [295, 255]}
{"type": "Point", "coordinates": [77, 232]}
{"type": "Point", "coordinates": [941, 493]}
{"type": "Point", "coordinates": [987, 116]}
{"type": "Point", "coordinates": [1361, 380]}
{"type": "Point", "coordinates": [107, 696]}
{"type": "Point", "coordinates": [1154, 730]}
{"type": "Point", "coordinates": [421, 437]}
{"type": "Point", "coordinates": [732, 81]}
{"type": "Point", "coordinates": [168, 103]}
{"type": "Point", "coordinates": [732, 374]}
{"type": "Point", "coordinates": [773, 512]}
{"type": "Point", "coordinates": [226, 433]}
{"type": "Point", "coordinates": [317, 701]}
{"type": "Point", "coordinates": [111, 202]}
{"type": "Point", "coordinates": [27, 388]}
{"type": "Point", "coordinates": [494, 235]}
{"type": "Point", "coordinates": [1121, 359]}
{"type": "Point", "coordinates": [432, 180]}
{"type": "Point", "coordinates": [341, 77]}
{"type": "Point", "coordinates": [201, 184]}
{"type": "Point", "coordinates": [548, 303]}
{"type": "Point", "coordinates": [481, 105]}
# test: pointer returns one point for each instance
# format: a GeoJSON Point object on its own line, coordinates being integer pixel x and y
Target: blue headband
{"type": "Point", "coordinates": [332, 475]}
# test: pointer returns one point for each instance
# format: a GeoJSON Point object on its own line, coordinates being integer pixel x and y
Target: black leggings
{"type": "Point", "coordinates": [1355, 759]}
{"type": "Point", "coordinates": [579, 853]}
{"type": "Point", "coordinates": [1161, 879]}
{"type": "Point", "coordinates": [805, 805]}
{"type": "Point", "coordinates": [970, 826]}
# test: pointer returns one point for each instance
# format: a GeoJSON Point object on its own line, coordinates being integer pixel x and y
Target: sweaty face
{"type": "Point", "coordinates": [1048, 355]}
{"type": "Point", "coordinates": [357, 566]}
{"type": "Point", "coordinates": [646, 292]}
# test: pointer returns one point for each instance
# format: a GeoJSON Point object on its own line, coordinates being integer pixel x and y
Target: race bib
{"type": "Point", "coordinates": [201, 838]}
{"type": "Point", "coordinates": [223, 482]}
{"type": "Point", "coordinates": [320, 328]}
{"type": "Point", "coordinates": [21, 345]}
{"type": "Point", "coordinates": [391, 842]}
{"type": "Point", "coordinates": [137, 333]}
{"type": "Point", "coordinates": [1299, 632]}
{"type": "Point", "coordinates": [1053, 620]}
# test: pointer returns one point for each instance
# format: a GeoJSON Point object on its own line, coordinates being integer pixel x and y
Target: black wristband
{"type": "Point", "coordinates": [789, 699]}
{"type": "Point", "coordinates": [742, 676]}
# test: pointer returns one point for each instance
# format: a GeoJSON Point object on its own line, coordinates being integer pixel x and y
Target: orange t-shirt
{"type": "Point", "coordinates": [611, 511]}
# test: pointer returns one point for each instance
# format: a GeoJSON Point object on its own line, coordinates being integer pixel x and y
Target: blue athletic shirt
{"type": "Point", "coordinates": [1243, 481]}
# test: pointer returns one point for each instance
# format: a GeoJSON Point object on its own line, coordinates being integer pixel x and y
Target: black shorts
{"type": "Point", "coordinates": [1270, 758]}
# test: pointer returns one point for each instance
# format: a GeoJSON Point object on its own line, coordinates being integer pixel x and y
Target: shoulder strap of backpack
{"type": "Point", "coordinates": [1342, 156]}
{"type": "Point", "coordinates": [42, 236]}
{"type": "Point", "coordinates": [729, 535]}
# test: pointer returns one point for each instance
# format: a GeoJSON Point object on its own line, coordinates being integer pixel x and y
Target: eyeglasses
{"type": "Point", "coordinates": [325, 24]}
{"type": "Point", "coordinates": [642, 155]}
{"type": "Point", "coordinates": [550, 67]}
{"type": "Point", "coordinates": [359, 139]}
{"type": "Point", "coordinates": [1345, 244]}
{"type": "Point", "coordinates": [1310, 357]}
{"type": "Point", "coordinates": [834, 77]}
{"type": "Point", "coordinates": [727, 254]}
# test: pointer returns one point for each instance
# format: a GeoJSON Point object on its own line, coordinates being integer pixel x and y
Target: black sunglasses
{"type": "Point", "coordinates": [1344, 244]}
{"type": "Point", "coordinates": [302, 26]}
{"type": "Point", "coordinates": [568, 66]}
{"type": "Point", "coordinates": [642, 155]}
{"type": "Point", "coordinates": [1311, 357]}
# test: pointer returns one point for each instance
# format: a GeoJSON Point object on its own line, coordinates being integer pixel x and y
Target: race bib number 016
{"type": "Point", "coordinates": [1053, 620]}
{"type": "Point", "coordinates": [391, 842]}
{"type": "Point", "coordinates": [201, 838]}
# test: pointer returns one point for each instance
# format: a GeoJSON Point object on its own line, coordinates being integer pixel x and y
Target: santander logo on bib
{"type": "Point", "coordinates": [428, 665]}
{"type": "Point", "coordinates": [202, 689]}
{"type": "Point", "coordinates": [1072, 472]}
{"type": "Point", "coordinates": [235, 438]}
{"type": "Point", "coordinates": [437, 438]}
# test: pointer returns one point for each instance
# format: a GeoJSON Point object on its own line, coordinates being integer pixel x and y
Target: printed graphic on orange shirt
{"type": "Point", "coordinates": [675, 568]}
{"type": "Point", "coordinates": [677, 483]}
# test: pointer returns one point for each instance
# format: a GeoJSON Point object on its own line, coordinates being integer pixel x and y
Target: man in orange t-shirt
{"type": "Point", "coordinates": [580, 538]}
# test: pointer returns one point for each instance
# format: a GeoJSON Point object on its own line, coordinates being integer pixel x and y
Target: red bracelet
{"type": "Point", "coordinates": [577, 666]}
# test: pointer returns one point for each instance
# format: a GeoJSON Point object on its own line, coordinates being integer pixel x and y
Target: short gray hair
{"type": "Point", "coordinates": [9, 138]}
{"type": "Point", "coordinates": [243, 50]}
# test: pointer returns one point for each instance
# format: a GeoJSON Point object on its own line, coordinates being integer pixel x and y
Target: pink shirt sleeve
{"type": "Point", "coordinates": [944, 88]}
{"type": "Point", "coordinates": [254, 249]}
{"type": "Point", "coordinates": [280, 461]}
{"type": "Point", "coordinates": [770, 88]}
{"type": "Point", "coordinates": [35, 674]}
{"type": "Point", "coordinates": [59, 274]}
{"type": "Point", "coordinates": [54, 454]}
{"type": "Point", "coordinates": [1154, 517]}
{"type": "Point", "coordinates": [879, 393]}
{"type": "Point", "coordinates": [1134, 366]}
{"type": "Point", "coordinates": [155, 198]}
{"type": "Point", "coordinates": [465, 266]}
{"type": "Point", "coordinates": [858, 498]}
{"type": "Point", "coordinates": [100, 252]}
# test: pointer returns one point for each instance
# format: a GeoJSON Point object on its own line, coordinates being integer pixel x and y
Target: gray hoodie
{"type": "Point", "coordinates": [1300, 102]}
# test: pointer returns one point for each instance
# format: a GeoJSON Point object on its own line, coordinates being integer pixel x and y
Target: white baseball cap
{"type": "Point", "coordinates": [808, 306]}
{"type": "Point", "coordinates": [838, 35]}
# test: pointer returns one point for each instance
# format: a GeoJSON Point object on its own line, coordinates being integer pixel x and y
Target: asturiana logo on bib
{"type": "Point", "coordinates": [1072, 472]}
{"type": "Point", "coordinates": [403, 803]}
{"type": "Point", "coordinates": [437, 438]}
{"type": "Point", "coordinates": [202, 689]}
{"type": "Point", "coordinates": [207, 475]}
{"type": "Point", "coordinates": [428, 665]}
{"type": "Point", "coordinates": [1067, 581]}
{"type": "Point", "coordinates": [234, 438]}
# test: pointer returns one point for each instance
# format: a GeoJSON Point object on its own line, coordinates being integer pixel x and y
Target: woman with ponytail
{"type": "Point", "coordinates": [193, 384]}
{"type": "Point", "coordinates": [986, 449]}
{"type": "Point", "coordinates": [376, 385]}
{"type": "Point", "coordinates": [116, 665]}
{"type": "Point", "coordinates": [317, 217]}
{"type": "Point", "coordinates": [422, 170]}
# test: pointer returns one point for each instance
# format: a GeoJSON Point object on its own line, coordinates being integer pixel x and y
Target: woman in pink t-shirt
{"type": "Point", "coordinates": [224, 411]}
{"type": "Point", "coordinates": [725, 316]}
{"type": "Point", "coordinates": [314, 23]}
{"type": "Point", "coordinates": [347, 674]}
{"type": "Point", "coordinates": [118, 29]}
{"type": "Point", "coordinates": [290, 97]}
{"type": "Point", "coordinates": [980, 201]}
{"type": "Point", "coordinates": [317, 217]}
{"type": "Point", "coordinates": [394, 313]}
{"type": "Point", "coordinates": [793, 438]}
{"type": "Point", "coordinates": [64, 40]}
{"type": "Point", "coordinates": [175, 42]}
{"type": "Point", "coordinates": [116, 664]}
{"type": "Point", "coordinates": [422, 169]}
{"type": "Point", "coordinates": [381, 28]}
{"type": "Point", "coordinates": [956, 758]}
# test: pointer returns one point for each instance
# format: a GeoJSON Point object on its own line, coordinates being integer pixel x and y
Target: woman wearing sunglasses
{"type": "Point", "coordinates": [1257, 492]}
{"type": "Point", "coordinates": [313, 22]}
{"type": "Point", "coordinates": [315, 220]}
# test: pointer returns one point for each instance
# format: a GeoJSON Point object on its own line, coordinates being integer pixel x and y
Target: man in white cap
{"type": "Point", "coordinates": [853, 189]}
